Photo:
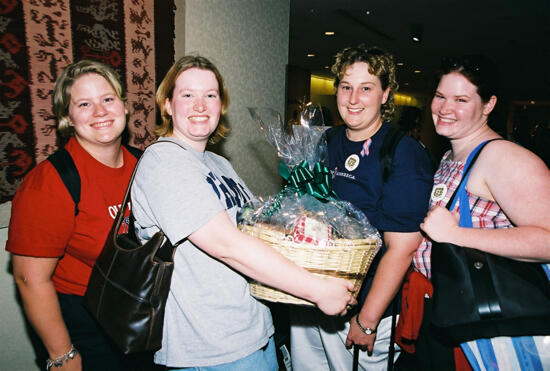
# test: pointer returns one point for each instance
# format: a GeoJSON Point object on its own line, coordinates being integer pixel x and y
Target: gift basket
{"type": "Point", "coordinates": [305, 221]}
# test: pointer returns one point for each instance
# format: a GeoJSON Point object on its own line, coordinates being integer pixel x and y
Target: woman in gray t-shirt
{"type": "Point", "coordinates": [193, 195]}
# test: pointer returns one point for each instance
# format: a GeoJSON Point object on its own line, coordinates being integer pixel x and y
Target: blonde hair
{"type": "Point", "coordinates": [380, 64]}
{"type": "Point", "coordinates": [166, 90]}
{"type": "Point", "coordinates": [65, 81]}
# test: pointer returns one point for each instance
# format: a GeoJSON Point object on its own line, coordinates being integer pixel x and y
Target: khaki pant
{"type": "Point", "coordinates": [318, 343]}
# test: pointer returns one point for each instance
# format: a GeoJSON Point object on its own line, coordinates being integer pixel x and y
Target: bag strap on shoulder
{"type": "Point", "coordinates": [120, 214]}
{"type": "Point", "coordinates": [63, 162]}
{"type": "Point", "coordinates": [486, 299]}
{"type": "Point", "coordinates": [389, 146]}
{"type": "Point", "coordinates": [136, 152]}
{"type": "Point", "coordinates": [472, 157]}
{"type": "Point", "coordinates": [387, 151]}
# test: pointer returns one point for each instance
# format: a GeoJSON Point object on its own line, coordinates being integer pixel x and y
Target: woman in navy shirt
{"type": "Point", "coordinates": [365, 85]}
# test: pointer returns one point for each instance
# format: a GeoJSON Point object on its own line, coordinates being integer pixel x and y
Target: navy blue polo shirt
{"type": "Point", "coordinates": [398, 205]}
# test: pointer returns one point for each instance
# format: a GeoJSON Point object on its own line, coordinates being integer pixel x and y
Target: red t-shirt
{"type": "Point", "coordinates": [43, 223]}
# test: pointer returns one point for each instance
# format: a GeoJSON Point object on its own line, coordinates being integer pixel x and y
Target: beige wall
{"type": "Point", "coordinates": [16, 352]}
{"type": "Point", "coordinates": [248, 41]}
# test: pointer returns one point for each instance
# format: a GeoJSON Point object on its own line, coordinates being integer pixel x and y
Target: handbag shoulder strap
{"type": "Point", "coordinates": [465, 216]}
{"type": "Point", "coordinates": [485, 298]}
{"type": "Point", "coordinates": [63, 162]}
{"type": "Point", "coordinates": [120, 213]}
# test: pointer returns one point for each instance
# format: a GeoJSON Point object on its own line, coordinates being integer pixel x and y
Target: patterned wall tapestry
{"type": "Point", "coordinates": [40, 37]}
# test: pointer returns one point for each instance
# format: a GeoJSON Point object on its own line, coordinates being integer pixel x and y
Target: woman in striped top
{"type": "Point", "coordinates": [509, 198]}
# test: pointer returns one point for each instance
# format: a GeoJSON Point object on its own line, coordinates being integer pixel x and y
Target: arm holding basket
{"type": "Point", "coordinates": [250, 256]}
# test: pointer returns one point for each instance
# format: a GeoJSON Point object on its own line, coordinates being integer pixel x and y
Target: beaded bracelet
{"type": "Point", "coordinates": [58, 362]}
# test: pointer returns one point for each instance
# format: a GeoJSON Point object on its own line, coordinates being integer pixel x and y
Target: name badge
{"type": "Point", "coordinates": [438, 192]}
{"type": "Point", "coordinates": [352, 162]}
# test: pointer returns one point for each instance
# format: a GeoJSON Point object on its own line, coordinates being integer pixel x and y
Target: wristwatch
{"type": "Point", "coordinates": [366, 330]}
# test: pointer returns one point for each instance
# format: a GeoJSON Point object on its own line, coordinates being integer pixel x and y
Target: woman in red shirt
{"type": "Point", "coordinates": [53, 250]}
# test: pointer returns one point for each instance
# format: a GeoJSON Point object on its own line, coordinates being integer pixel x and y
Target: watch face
{"type": "Point", "coordinates": [367, 330]}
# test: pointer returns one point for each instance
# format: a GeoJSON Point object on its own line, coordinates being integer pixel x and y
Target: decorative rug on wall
{"type": "Point", "coordinates": [40, 37]}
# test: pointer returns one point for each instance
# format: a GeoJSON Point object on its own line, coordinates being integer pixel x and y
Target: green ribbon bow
{"type": "Point", "coordinates": [302, 180]}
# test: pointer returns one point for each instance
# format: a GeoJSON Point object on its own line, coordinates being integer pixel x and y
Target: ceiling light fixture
{"type": "Point", "coordinates": [417, 71]}
{"type": "Point", "coordinates": [416, 33]}
{"type": "Point", "coordinates": [310, 55]}
{"type": "Point", "coordinates": [400, 63]}
{"type": "Point", "coordinates": [329, 33]}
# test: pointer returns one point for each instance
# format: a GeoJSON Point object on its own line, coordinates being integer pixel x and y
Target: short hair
{"type": "Point", "coordinates": [65, 81]}
{"type": "Point", "coordinates": [380, 63]}
{"type": "Point", "coordinates": [166, 91]}
{"type": "Point", "coordinates": [478, 69]}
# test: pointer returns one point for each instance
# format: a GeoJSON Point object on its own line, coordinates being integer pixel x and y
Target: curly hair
{"type": "Point", "coordinates": [380, 63]}
{"type": "Point", "coordinates": [166, 90]}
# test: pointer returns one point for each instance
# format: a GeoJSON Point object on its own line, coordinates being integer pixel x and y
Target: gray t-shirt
{"type": "Point", "coordinates": [210, 316]}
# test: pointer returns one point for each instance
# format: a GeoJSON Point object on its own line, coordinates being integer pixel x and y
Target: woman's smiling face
{"type": "Point", "coordinates": [359, 98]}
{"type": "Point", "coordinates": [457, 108]}
{"type": "Point", "coordinates": [95, 111]}
{"type": "Point", "coordinates": [195, 107]}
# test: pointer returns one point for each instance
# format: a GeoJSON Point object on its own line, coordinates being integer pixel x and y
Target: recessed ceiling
{"type": "Point", "coordinates": [516, 34]}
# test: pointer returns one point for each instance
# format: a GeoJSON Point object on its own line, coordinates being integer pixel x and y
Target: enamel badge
{"type": "Point", "coordinates": [352, 162]}
{"type": "Point", "coordinates": [438, 192]}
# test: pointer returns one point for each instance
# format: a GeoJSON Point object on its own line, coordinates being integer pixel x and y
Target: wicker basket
{"type": "Point", "coordinates": [343, 258]}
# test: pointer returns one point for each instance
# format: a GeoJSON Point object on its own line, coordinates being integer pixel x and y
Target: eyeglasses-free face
{"type": "Point", "coordinates": [359, 99]}
{"type": "Point", "coordinates": [195, 107]}
{"type": "Point", "coordinates": [457, 109]}
{"type": "Point", "coordinates": [96, 112]}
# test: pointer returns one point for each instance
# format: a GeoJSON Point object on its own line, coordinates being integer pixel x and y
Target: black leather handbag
{"type": "Point", "coordinates": [481, 295]}
{"type": "Point", "coordinates": [129, 286]}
